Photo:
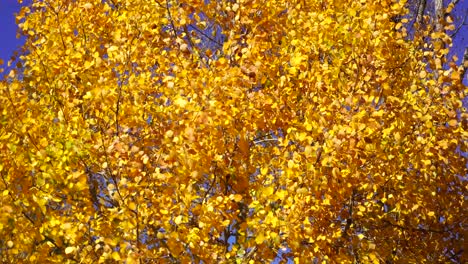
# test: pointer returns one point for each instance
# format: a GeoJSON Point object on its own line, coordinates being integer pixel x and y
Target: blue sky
{"type": "Point", "coordinates": [8, 41]}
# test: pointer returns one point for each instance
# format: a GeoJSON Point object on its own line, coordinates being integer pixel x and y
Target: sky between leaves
{"type": "Point", "coordinates": [8, 40]}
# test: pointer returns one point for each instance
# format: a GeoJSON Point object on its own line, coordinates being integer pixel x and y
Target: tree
{"type": "Point", "coordinates": [432, 16]}
{"type": "Point", "coordinates": [231, 131]}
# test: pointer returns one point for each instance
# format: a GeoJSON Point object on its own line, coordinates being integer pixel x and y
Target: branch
{"type": "Point", "coordinates": [439, 14]}
{"type": "Point", "coordinates": [459, 27]}
{"type": "Point", "coordinates": [421, 7]}
{"type": "Point", "coordinates": [209, 188]}
{"type": "Point", "coordinates": [170, 18]}
{"type": "Point", "coordinates": [194, 48]}
{"type": "Point", "coordinates": [206, 36]}
{"type": "Point", "coordinates": [265, 140]}
{"type": "Point", "coordinates": [119, 97]}
{"type": "Point", "coordinates": [349, 221]}
{"type": "Point", "coordinates": [419, 229]}
{"type": "Point", "coordinates": [465, 63]}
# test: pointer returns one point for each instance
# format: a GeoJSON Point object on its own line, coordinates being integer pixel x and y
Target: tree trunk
{"type": "Point", "coordinates": [439, 15]}
{"type": "Point", "coordinates": [421, 7]}
{"type": "Point", "coordinates": [465, 63]}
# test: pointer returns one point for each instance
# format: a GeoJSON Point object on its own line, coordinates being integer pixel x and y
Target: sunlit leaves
{"type": "Point", "coordinates": [221, 131]}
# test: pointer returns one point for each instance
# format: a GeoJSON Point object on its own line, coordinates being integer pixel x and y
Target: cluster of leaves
{"type": "Point", "coordinates": [249, 130]}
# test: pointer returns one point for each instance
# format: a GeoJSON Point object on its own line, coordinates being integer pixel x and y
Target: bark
{"type": "Point", "coordinates": [465, 63]}
{"type": "Point", "coordinates": [421, 7]}
{"type": "Point", "coordinates": [439, 15]}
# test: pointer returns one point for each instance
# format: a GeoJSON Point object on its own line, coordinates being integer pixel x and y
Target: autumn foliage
{"type": "Point", "coordinates": [152, 131]}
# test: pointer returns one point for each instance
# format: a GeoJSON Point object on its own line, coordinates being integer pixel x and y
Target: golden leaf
{"type": "Point", "coordinates": [260, 238]}
{"type": "Point", "coordinates": [244, 146]}
{"type": "Point", "coordinates": [453, 123]}
{"type": "Point", "coordinates": [262, 124]}
{"type": "Point", "coordinates": [70, 250]}
{"type": "Point", "coordinates": [116, 256]}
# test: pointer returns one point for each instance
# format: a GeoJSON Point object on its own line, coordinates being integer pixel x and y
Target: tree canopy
{"type": "Point", "coordinates": [234, 131]}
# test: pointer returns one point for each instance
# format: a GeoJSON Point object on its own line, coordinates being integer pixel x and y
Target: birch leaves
{"type": "Point", "coordinates": [229, 131]}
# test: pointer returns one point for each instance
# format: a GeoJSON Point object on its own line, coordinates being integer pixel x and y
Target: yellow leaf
{"type": "Point", "coordinates": [453, 122]}
{"type": "Point", "coordinates": [378, 113]}
{"type": "Point", "coordinates": [178, 220]}
{"type": "Point", "coordinates": [164, 211]}
{"type": "Point", "coordinates": [308, 151]}
{"type": "Point", "coordinates": [88, 95]}
{"type": "Point", "coordinates": [260, 238]}
{"type": "Point", "coordinates": [145, 159]}
{"type": "Point", "coordinates": [222, 61]}
{"type": "Point", "coordinates": [373, 258]}
{"type": "Point", "coordinates": [301, 136]}
{"type": "Point", "coordinates": [87, 6]}
{"type": "Point", "coordinates": [244, 146]}
{"type": "Point", "coordinates": [450, 7]}
{"type": "Point", "coordinates": [237, 197]}
{"type": "Point", "coordinates": [397, 136]}
{"type": "Point", "coordinates": [297, 59]}
{"type": "Point", "coordinates": [422, 74]}
{"type": "Point", "coordinates": [70, 250]}
{"type": "Point", "coordinates": [180, 102]}
{"type": "Point", "coordinates": [292, 70]}
{"type": "Point", "coordinates": [160, 235]}
{"type": "Point", "coordinates": [115, 255]}
{"type": "Point", "coordinates": [169, 133]}
{"type": "Point", "coordinates": [450, 27]}
{"type": "Point", "coordinates": [112, 48]}
{"type": "Point", "coordinates": [336, 172]}
{"type": "Point", "coordinates": [281, 194]}
{"type": "Point", "coordinates": [66, 226]}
